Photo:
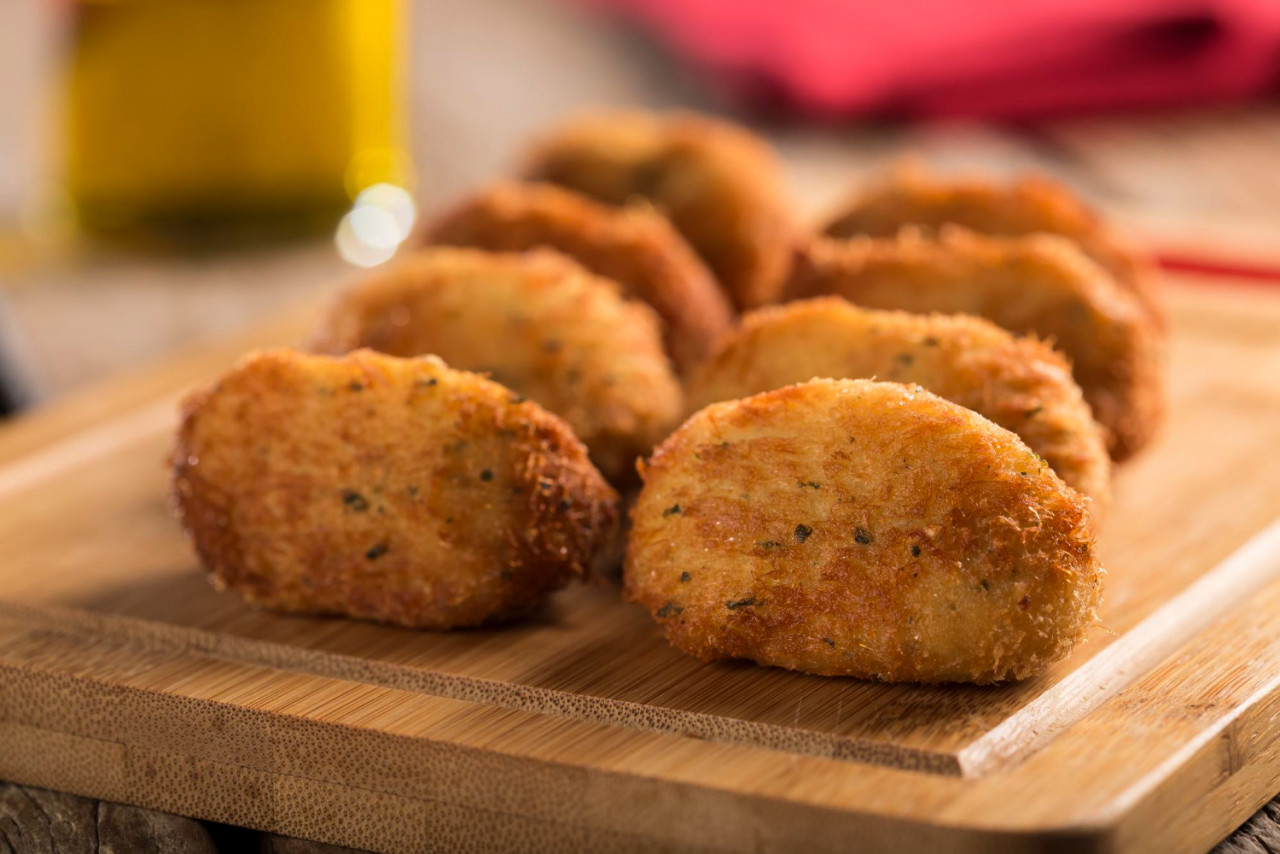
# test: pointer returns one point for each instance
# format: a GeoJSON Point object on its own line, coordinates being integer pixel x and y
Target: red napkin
{"type": "Point", "coordinates": [994, 58]}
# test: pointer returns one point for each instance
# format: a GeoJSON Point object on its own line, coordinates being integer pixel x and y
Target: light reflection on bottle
{"type": "Point", "coordinates": [381, 219]}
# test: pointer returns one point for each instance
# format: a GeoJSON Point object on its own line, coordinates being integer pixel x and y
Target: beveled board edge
{"type": "Point", "coordinates": [89, 625]}
{"type": "Point", "coordinates": [1179, 783]}
{"type": "Point", "coordinates": [1139, 650]}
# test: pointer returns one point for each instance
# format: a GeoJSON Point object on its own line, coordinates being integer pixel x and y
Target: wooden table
{"type": "Point", "coordinates": [72, 314]}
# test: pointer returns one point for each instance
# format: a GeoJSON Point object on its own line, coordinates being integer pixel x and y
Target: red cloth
{"type": "Point", "coordinates": [1000, 58]}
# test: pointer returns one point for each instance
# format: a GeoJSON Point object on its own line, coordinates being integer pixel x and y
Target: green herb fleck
{"type": "Point", "coordinates": [769, 544]}
{"type": "Point", "coordinates": [486, 475]}
{"type": "Point", "coordinates": [355, 386]}
{"type": "Point", "coordinates": [915, 551]}
{"type": "Point", "coordinates": [1034, 411]}
{"type": "Point", "coordinates": [684, 577]}
{"type": "Point", "coordinates": [669, 610]}
{"type": "Point", "coordinates": [355, 500]}
{"type": "Point", "coordinates": [376, 551]}
{"type": "Point", "coordinates": [809, 484]}
{"type": "Point", "coordinates": [984, 584]}
{"type": "Point", "coordinates": [673, 510]}
{"type": "Point", "coordinates": [863, 536]}
{"type": "Point", "coordinates": [829, 642]}
{"type": "Point", "coordinates": [802, 533]}
{"type": "Point", "coordinates": [735, 604]}
{"type": "Point", "coordinates": [905, 359]}
{"type": "Point", "coordinates": [563, 506]}
{"type": "Point", "coordinates": [931, 341]}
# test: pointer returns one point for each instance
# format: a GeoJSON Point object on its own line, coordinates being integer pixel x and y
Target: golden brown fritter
{"type": "Point", "coordinates": [720, 184]}
{"type": "Point", "coordinates": [857, 528]}
{"type": "Point", "coordinates": [634, 245]}
{"type": "Point", "coordinates": [1019, 383]}
{"type": "Point", "coordinates": [389, 489]}
{"type": "Point", "coordinates": [536, 322]}
{"type": "Point", "coordinates": [910, 195]}
{"type": "Point", "coordinates": [1038, 284]}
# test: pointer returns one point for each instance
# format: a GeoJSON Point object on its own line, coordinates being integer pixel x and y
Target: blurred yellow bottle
{"type": "Point", "coordinates": [197, 113]}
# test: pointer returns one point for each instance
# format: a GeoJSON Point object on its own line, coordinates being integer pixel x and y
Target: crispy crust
{"type": "Point", "coordinates": [720, 184]}
{"type": "Point", "coordinates": [388, 489]}
{"type": "Point", "coordinates": [911, 195]}
{"type": "Point", "coordinates": [538, 323]}
{"type": "Point", "coordinates": [1038, 284]}
{"type": "Point", "coordinates": [1020, 384]}
{"type": "Point", "coordinates": [861, 529]}
{"type": "Point", "coordinates": [635, 246]}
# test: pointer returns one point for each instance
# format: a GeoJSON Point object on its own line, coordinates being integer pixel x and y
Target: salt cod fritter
{"type": "Point", "coordinates": [536, 322]}
{"type": "Point", "coordinates": [857, 528]}
{"type": "Point", "coordinates": [912, 196]}
{"type": "Point", "coordinates": [1021, 384]}
{"type": "Point", "coordinates": [1039, 284]}
{"type": "Point", "coordinates": [633, 245]}
{"type": "Point", "coordinates": [387, 489]}
{"type": "Point", "coordinates": [720, 185]}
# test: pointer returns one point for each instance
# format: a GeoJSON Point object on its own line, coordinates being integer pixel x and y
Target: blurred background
{"type": "Point", "coordinates": [172, 170]}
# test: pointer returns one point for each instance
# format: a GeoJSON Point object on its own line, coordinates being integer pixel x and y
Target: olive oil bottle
{"type": "Point", "coordinates": [201, 115]}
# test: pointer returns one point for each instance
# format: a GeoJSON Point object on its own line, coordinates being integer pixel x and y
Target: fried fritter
{"type": "Point", "coordinates": [388, 489]}
{"type": "Point", "coordinates": [634, 245]}
{"type": "Point", "coordinates": [910, 195]}
{"type": "Point", "coordinates": [1019, 383]}
{"type": "Point", "coordinates": [536, 322]}
{"type": "Point", "coordinates": [1038, 284]}
{"type": "Point", "coordinates": [857, 528]}
{"type": "Point", "coordinates": [720, 184]}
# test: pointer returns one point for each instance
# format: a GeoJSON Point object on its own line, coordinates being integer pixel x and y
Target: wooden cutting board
{"type": "Point", "coordinates": [124, 676]}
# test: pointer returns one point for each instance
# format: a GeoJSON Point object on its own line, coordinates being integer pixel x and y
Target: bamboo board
{"type": "Point", "coordinates": [124, 676]}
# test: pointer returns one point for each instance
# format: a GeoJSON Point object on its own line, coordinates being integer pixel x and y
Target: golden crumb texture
{"type": "Point", "coordinates": [912, 195]}
{"type": "Point", "coordinates": [536, 322]}
{"type": "Point", "coordinates": [1038, 284]}
{"type": "Point", "coordinates": [1020, 383]}
{"type": "Point", "coordinates": [633, 245]}
{"type": "Point", "coordinates": [388, 489]}
{"type": "Point", "coordinates": [720, 185]}
{"type": "Point", "coordinates": [860, 528]}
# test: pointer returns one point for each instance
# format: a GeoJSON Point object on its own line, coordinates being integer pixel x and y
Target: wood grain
{"type": "Point", "coordinates": [37, 820]}
{"type": "Point", "coordinates": [1259, 835]}
{"type": "Point", "coordinates": [124, 676]}
{"type": "Point", "coordinates": [40, 821]}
